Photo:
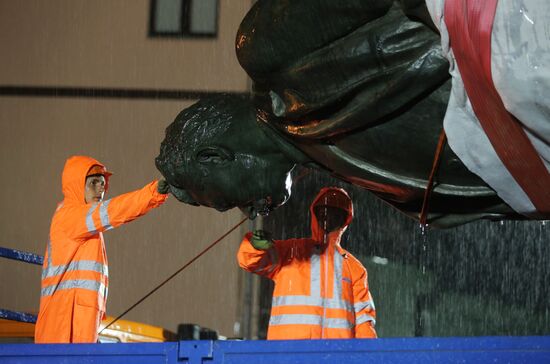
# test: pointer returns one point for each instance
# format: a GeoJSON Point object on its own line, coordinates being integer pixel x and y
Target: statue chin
{"type": "Point", "coordinates": [182, 195]}
{"type": "Point", "coordinates": [260, 207]}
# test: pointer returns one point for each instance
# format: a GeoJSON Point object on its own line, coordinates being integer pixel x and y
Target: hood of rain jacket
{"type": "Point", "coordinates": [73, 179]}
{"type": "Point", "coordinates": [336, 197]}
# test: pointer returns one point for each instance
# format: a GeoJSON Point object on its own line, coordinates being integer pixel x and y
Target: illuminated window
{"type": "Point", "coordinates": [184, 18]}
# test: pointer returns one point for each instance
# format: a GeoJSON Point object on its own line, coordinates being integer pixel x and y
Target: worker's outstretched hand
{"type": "Point", "coordinates": [261, 239]}
{"type": "Point", "coordinates": [163, 187]}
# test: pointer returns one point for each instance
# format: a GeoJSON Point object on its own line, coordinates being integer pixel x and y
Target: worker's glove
{"type": "Point", "coordinates": [163, 187]}
{"type": "Point", "coordinates": [261, 239]}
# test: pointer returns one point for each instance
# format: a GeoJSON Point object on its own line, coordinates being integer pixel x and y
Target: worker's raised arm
{"type": "Point", "coordinates": [258, 254]}
{"type": "Point", "coordinates": [83, 221]}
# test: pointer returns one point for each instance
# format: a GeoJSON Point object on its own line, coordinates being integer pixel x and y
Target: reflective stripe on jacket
{"type": "Point", "coordinates": [75, 270]}
{"type": "Point", "coordinates": [321, 290]}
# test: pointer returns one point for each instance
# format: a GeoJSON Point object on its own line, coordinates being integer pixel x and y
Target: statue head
{"type": "Point", "coordinates": [217, 154]}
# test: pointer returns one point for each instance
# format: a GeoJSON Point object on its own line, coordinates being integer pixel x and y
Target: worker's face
{"type": "Point", "coordinates": [95, 188]}
{"type": "Point", "coordinates": [330, 218]}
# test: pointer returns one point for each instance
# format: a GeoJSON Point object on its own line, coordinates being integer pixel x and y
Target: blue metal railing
{"type": "Point", "coordinates": [18, 316]}
{"type": "Point", "coordinates": [23, 257]}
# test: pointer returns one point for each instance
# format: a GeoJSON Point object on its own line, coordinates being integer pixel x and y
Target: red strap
{"type": "Point", "coordinates": [430, 186]}
{"type": "Point", "coordinates": [470, 23]}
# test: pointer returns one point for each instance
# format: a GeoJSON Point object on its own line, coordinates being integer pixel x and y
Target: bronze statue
{"type": "Point", "coordinates": [357, 88]}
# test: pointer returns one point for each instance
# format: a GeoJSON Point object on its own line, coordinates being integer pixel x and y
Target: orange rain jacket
{"type": "Point", "coordinates": [321, 290]}
{"type": "Point", "coordinates": [75, 272]}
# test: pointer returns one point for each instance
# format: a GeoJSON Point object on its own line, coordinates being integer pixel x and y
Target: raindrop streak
{"type": "Point", "coordinates": [485, 278]}
{"type": "Point", "coordinates": [424, 247]}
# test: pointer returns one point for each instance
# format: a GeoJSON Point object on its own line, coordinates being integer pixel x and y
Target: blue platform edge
{"type": "Point", "coordinates": [525, 349]}
{"type": "Point", "coordinates": [18, 316]}
{"type": "Point", "coordinates": [21, 256]}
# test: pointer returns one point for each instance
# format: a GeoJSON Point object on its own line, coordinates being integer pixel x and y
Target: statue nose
{"type": "Point", "coordinates": [159, 163]}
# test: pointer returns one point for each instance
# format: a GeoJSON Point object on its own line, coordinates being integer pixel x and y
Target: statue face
{"type": "Point", "coordinates": [245, 181]}
{"type": "Point", "coordinates": [216, 154]}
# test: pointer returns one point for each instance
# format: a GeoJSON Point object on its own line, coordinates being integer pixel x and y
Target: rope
{"type": "Point", "coordinates": [430, 186]}
{"type": "Point", "coordinates": [176, 273]}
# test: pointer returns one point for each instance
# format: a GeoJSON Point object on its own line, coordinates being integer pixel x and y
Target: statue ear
{"type": "Point", "coordinates": [214, 155]}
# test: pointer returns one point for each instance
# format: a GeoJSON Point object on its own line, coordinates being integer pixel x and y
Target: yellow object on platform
{"type": "Point", "coordinates": [122, 331]}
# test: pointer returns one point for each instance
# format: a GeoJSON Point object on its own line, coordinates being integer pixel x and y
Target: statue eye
{"type": "Point", "coordinates": [210, 158]}
{"type": "Point", "coordinates": [215, 155]}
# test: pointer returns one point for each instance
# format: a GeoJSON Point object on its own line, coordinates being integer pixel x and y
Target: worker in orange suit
{"type": "Point", "coordinates": [75, 271]}
{"type": "Point", "coordinates": [321, 290]}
